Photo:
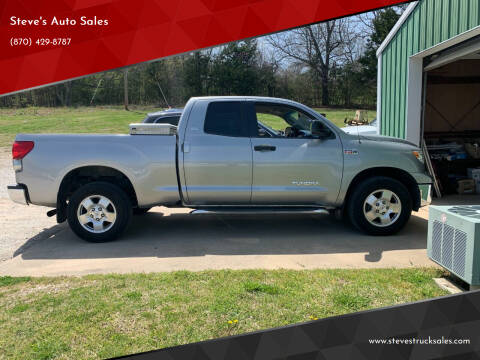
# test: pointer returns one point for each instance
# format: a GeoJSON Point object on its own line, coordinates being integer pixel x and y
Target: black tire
{"type": "Point", "coordinates": [118, 198]}
{"type": "Point", "coordinates": [356, 203]}
{"type": "Point", "coordinates": [140, 211]}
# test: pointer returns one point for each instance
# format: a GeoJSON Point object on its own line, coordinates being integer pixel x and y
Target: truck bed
{"type": "Point", "coordinates": [148, 161]}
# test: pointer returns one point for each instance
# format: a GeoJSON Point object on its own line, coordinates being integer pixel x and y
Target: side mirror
{"type": "Point", "coordinates": [321, 131]}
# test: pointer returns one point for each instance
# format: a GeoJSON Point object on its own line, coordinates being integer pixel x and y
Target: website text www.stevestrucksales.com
{"type": "Point", "coordinates": [419, 341]}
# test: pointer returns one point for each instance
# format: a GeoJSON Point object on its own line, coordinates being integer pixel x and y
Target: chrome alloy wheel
{"type": "Point", "coordinates": [382, 208]}
{"type": "Point", "coordinates": [96, 214]}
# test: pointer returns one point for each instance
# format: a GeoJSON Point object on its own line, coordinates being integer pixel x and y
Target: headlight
{"type": "Point", "coordinates": [418, 155]}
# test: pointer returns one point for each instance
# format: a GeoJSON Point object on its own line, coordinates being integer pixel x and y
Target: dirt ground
{"type": "Point", "coordinates": [166, 240]}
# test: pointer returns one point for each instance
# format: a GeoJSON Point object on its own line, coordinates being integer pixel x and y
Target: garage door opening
{"type": "Point", "coordinates": [451, 118]}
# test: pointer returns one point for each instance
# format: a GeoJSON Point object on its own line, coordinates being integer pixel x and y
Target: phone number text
{"type": "Point", "coordinates": [20, 41]}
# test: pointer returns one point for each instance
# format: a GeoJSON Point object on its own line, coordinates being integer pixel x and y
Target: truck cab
{"type": "Point", "coordinates": [229, 159]}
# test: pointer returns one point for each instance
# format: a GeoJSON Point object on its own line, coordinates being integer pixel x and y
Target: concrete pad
{"type": "Point", "coordinates": [168, 240]}
{"type": "Point", "coordinates": [447, 285]}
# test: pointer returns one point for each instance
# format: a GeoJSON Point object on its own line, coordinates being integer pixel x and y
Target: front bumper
{"type": "Point", "coordinates": [18, 194]}
{"type": "Point", "coordinates": [425, 194]}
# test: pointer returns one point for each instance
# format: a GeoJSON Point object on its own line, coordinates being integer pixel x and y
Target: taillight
{"type": "Point", "coordinates": [21, 148]}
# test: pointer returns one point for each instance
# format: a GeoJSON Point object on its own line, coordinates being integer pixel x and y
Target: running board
{"type": "Point", "coordinates": [267, 210]}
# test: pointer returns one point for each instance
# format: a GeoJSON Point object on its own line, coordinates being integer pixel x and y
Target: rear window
{"type": "Point", "coordinates": [173, 120]}
{"type": "Point", "coordinates": [149, 119]}
{"type": "Point", "coordinates": [225, 118]}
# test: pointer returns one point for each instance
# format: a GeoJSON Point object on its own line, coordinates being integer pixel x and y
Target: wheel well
{"type": "Point", "coordinates": [87, 174]}
{"type": "Point", "coordinates": [398, 174]}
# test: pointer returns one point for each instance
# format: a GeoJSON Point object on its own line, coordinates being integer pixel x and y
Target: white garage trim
{"type": "Point", "coordinates": [467, 35]}
{"type": "Point", "coordinates": [413, 121]}
{"type": "Point", "coordinates": [414, 100]}
{"type": "Point", "coordinates": [453, 56]}
{"type": "Point", "coordinates": [397, 27]}
{"type": "Point", "coordinates": [379, 93]}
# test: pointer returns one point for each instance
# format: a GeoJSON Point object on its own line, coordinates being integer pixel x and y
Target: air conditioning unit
{"type": "Point", "coordinates": [454, 240]}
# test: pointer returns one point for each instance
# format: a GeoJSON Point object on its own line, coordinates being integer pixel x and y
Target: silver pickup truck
{"type": "Point", "coordinates": [223, 157]}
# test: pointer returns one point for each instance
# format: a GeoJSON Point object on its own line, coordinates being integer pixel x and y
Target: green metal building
{"type": "Point", "coordinates": [429, 71]}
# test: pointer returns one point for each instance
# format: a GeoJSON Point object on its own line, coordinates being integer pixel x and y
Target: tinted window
{"type": "Point", "coordinates": [168, 120]}
{"type": "Point", "coordinates": [149, 119]}
{"type": "Point", "coordinates": [225, 118]}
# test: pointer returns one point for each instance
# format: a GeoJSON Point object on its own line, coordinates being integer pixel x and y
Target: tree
{"type": "Point", "coordinates": [196, 73]}
{"type": "Point", "coordinates": [267, 69]}
{"type": "Point", "coordinates": [234, 69]}
{"type": "Point", "coordinates": [317, 47]}
{"type": "Point", "coordinates": [125, 89]}
{"type": "Point", "coordinates": [382, 23]}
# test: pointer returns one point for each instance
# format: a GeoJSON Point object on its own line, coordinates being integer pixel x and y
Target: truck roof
{"type": "Point", "coordinates": [256, 98]}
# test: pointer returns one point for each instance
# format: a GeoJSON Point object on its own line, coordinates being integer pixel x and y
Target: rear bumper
{"type": "Point", "coordinates": [18, 194]}
{"type": "Point", "coordinates": [425, 194]}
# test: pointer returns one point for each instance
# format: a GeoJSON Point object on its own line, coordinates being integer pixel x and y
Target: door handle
{"type": "Point", "coordinates": [264, 148]}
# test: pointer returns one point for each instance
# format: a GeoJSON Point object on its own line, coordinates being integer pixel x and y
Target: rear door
{"type": "Point", "coordinates": [217, 154]}
{"type": "Point", "coordinates": [293, 168]}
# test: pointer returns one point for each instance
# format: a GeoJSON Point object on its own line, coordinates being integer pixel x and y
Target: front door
{"type": "Point", "coordinates": [291, 167]}
{"type": "Point", "coordinates": [217, 155]}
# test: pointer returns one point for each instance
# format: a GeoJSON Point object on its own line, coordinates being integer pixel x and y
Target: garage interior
{"type": "Point", "coordinates": [451, 118]}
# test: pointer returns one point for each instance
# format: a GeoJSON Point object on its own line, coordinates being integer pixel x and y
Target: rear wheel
{"type": "Point", "coordinates": [99, 212]}
{"type": "Point", "coordinates": [380, 206]}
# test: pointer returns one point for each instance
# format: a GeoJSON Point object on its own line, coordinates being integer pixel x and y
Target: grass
{"type": "Point", "coordinates": [66, 120]}
{"type": "Point", "coordinates": [102, 119]}
{"type": "Point", "coordinates": [337, 116]}
{"type": "Point", "coordinates": [100, 316]}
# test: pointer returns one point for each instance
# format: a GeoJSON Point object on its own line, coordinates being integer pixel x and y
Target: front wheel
{"type": "Point", "coordinates": [99, 212]}
{"type": "Point", "coordinates": [380, 206]}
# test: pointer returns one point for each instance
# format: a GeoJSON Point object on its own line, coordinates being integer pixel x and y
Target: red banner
{"type": "Point", "coordinates": [44, 42]}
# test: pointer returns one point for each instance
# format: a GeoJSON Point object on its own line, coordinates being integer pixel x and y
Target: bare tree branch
{"type": "Point", "coordinates": [320, 47]}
